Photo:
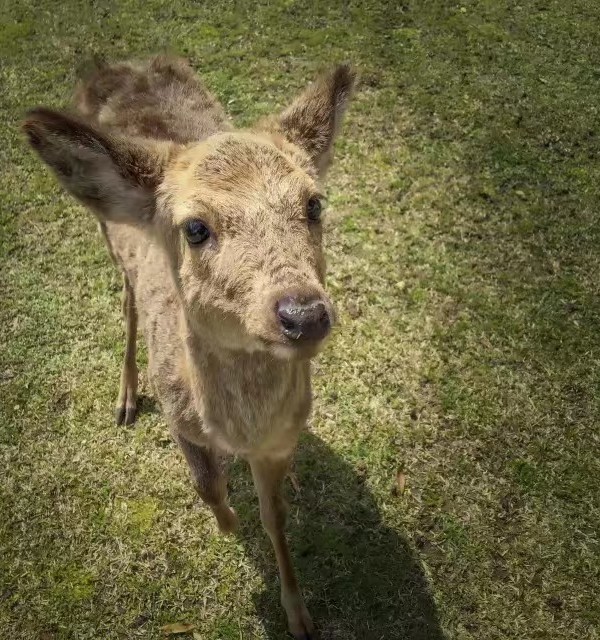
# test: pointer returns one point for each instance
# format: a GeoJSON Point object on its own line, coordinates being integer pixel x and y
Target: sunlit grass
{"type": "Point", "coordinates": [463, 255]}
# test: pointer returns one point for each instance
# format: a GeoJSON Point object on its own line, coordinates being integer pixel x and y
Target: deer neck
{"type": "Point", "coordinates": [249, 403]}
{"type": "Point", "coordinates": [250, 376]}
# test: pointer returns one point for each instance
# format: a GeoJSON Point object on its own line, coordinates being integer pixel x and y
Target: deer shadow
{"type": "Point", "coordinates": [361, 579]}
{"type": "Point", "coordinates": [147, 405]}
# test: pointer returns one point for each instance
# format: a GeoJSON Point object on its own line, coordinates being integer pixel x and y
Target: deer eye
{"type": "Point", "coordinates": [313, 209]}
{"type": "Point", "coordinates": [196, 232]}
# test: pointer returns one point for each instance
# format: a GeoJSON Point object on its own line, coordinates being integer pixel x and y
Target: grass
{"type": "Point", "coordinates": [463, 250]}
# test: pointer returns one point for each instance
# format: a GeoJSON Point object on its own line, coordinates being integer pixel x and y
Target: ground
{"type": "Point", "coordinates": [450, 485]}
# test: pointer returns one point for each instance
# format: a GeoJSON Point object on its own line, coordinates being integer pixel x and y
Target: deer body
{"type": "Point", "coordinates": [216, 233]}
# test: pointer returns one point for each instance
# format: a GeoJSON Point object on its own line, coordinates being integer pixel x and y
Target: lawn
{"type": "Point", "coordinates": [450, 484]}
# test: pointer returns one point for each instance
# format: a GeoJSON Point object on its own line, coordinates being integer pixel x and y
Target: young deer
{"type": "Point", "coordinates": [218, 236]}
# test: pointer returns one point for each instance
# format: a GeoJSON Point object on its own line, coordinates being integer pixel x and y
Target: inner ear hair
{"type": "Point", "coordinates": [116, 178]}
{"type": "Point", "coordinates": [314, 118]}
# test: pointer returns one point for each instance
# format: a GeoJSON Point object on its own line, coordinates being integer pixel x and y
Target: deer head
{"type": "Point", "coordinates": [238, 214]}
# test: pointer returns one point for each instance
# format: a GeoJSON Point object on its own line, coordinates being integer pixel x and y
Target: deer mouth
{"type": "Point", "coordinates": [291, 349]}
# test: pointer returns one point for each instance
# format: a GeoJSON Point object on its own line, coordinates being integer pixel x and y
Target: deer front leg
{"type": "Point", "coordinates": [210, 482]}
{"type": "Point", "coordinates": [126, 409]}
{"type": "Point", "coordinates": [268, 474]}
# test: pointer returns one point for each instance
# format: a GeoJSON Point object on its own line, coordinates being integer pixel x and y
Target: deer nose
{"type": "Point", "coordinates": [303, 319]}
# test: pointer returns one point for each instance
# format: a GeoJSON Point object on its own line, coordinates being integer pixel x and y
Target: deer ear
{"type": "Point", "coordinates": [116, 178]}
{"type": "Point", "coordinates": [314, 118]}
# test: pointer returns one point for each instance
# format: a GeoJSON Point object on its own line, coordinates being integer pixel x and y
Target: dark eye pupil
{"type": "Point", "coordinates": [313, 209]}
{"type": "Point", "coordinates": [196, 232]}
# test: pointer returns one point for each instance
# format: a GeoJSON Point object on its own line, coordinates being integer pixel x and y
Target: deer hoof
{"type": "Point", "coordinates": [227, 520]}
{"type": "Point", "coordinates": [301, 625]}
{"type": "Point", "coordinates": [125, 415]}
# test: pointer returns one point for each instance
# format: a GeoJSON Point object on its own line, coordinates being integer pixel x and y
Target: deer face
{"type": "Point", "coordinates": [245, 220]}
{"type": "Point", "coordinates": [238, 214]}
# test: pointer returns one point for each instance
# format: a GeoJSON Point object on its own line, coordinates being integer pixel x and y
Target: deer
{"type": "Point", "coordinates": [217, 232]}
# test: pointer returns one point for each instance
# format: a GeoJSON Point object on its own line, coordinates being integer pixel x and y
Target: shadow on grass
{"type": "Point", "coordinates": [361, 580]}
{"type": "Point", "coordinates": [147, 405]}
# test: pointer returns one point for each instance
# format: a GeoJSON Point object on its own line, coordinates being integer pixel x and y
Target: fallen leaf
{"type": "Point", "coordinates": [400, 484]}
{"type": "Point", "coordinates": [176, 628]}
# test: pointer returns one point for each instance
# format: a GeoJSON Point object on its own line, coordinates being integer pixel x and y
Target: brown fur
{"type": "Point", "coordinates": [150, 149]}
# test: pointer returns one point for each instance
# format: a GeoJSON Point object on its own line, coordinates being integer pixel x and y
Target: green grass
{"type": "Point", "coordinates": [463, 250]}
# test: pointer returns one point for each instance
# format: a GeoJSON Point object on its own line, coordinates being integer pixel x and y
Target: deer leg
{"type": "Point", "coordinates": [210, 482]}
{"type": "Point", "coordinates": [268, 475]}
{"type": "Point", "coordinates": [126, 409]}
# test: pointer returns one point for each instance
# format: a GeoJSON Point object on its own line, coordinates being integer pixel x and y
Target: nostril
{"type": "Point", "coordinates": [286, 323]}
{"type": "Point", "coordinates": [318, 314]}
{"type": "Point", "coordinates": [321, 312]}
{"type": "Point", "coordinates": [289, 315]}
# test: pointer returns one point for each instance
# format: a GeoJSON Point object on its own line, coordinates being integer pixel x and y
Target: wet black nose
{"type": "Point", "coordinates": [301, 319]}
